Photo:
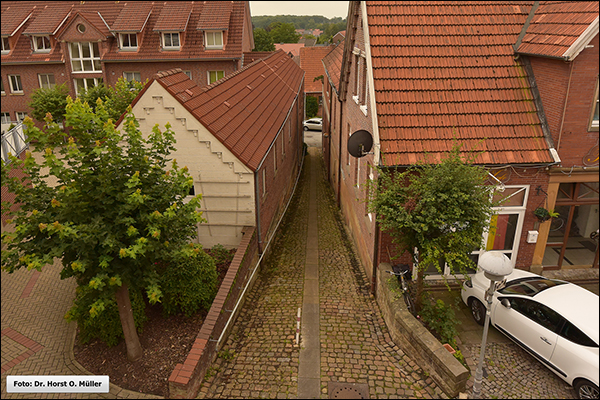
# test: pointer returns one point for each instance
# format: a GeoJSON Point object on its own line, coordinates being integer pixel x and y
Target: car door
{"type": "Point", "coordinates": [531, 324]}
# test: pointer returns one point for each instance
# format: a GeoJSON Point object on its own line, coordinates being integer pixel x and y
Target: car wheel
{"type": "Point", "coordinates": [586, 390]}
{"type": "Point", "coordinates": [477, 311]}
{"type": "Point", "coordinates": [306, 128]}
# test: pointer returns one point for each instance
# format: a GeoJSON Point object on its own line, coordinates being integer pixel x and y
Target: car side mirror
{"type": "Point", "coordinates": [505, 303]}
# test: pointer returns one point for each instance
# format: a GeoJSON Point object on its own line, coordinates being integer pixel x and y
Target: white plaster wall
{"type": "Point", "coordinates": [225, 183]}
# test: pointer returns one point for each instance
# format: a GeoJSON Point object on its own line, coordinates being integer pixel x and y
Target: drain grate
{"type": "Point", "coordinates": [343, 390]}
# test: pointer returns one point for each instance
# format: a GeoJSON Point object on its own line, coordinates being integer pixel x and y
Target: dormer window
{"type": "Point", "coordinates": [5, 45]}
{"type": "Point", "coordinates": [214, 39]}
{"type": "Point", "coordinates": [170, 40]}
{"type": "Point", "coordinates": [128, 41]}
{"type": "Point", "coordinates": [41, 44]}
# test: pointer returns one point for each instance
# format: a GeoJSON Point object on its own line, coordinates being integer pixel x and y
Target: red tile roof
{"type": "Point", "coordinates": [128, 16]}
{"type": "Point", "coordinates": [244, 110]}
{"type": "Point", "coordinates": [447, 69]}
{"type": "Point", "coordinates": [173, 17]}
{"type": "Point", "coordinates": [293, 48]}
{"type": "Point", "coordinates": [332, 63]}
{"type": "Point", "coordinates": [215, 16]}
{"type": "Point", "coordinates": [48, 19]}
{"type": "Point", "coordinates": [251, 56]}
{"type": "Point", "coordinates": [133, 17]}
{"type": "Point", "coordinates": [556, 26]}
{"type": "Point", "coordinates": [311, 61]}
{"type": "Point", "coordinates": [13, 16]}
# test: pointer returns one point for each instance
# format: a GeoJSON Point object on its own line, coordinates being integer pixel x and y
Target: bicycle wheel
{"type": "Point", "coordinates": [410, 303]}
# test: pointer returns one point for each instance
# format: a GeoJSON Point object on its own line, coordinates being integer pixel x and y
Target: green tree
{"type": "Point", "coordinates": [435, 212]}
{"type": "Point", "coordinates": [283, 33]}
{"type": "Point", "coordinates": [92, 94]}
{"type": "Point", "coordinates": [312, 106]}
{"type": "Point", "coordinates": [123, 94]}
{"type": "Point", "coordinates": [53, 101]}
{"type": "Point", "coordinates": [262, 40]}
{"type": "Point", "coordinates": [116, 211]}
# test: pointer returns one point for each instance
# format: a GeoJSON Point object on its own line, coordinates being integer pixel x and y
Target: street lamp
{"type": "Point", "coordinates": [495, 266]}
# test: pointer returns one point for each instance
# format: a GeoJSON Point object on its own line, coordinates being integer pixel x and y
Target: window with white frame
{"type": "Point", "coordinates": [214, 76]}
{"type": "Point", "coordinates": [5, 45]}
{"type": "Point", "coordinates": [46, 81]}
{"type": "Point", "coordinates": [20, 116]}
{"type": "Point", "coordinates": [5, 118]}
{"type": "Point", "coordinates": [264, 181]}
{"type": "Point", "coordinates": [593, 126]}
{"type": "Point", "coordinates": [41, 44]}
{"type": "Point", "coordinates": [188, 73]}
{"type": "Point", "coordinates": [128, 41]}
{"type": "Point", "coordinates": [15, 84]}
{"type": "Point", "coordinates": [85, 57]}
{"type": "Point", "coordinates": [83, 84]}
{"type": "Point", "coordinates": [504, 230]}
{"type": "Point", "coordinates": [2, 83]}
{"type": "Point", "coordinates": [132, 76]}
{"type": "Point", "coordinates": [213, 40]}
{"type": "Point", "coordinates": [170, 40]}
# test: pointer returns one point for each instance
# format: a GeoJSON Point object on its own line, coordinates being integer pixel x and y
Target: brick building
{"type": "Point", "coordinates": [85, 43]}
{"type": "Point", "coordinates": [241, 139]}
{"type": "Point", "coordinates": [465, 72]}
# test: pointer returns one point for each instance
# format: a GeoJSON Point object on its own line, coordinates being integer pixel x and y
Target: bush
{"type": "Point", "coordinates": [106, 325]}
{"type": "Point", "coordinates": [188, 281]}
{"type": "Point", "coordinates": [221, 254]}
{"type": "Point", "coordinates": [440, 319]}
{"type": "Point", "coordinates": [312, 106]}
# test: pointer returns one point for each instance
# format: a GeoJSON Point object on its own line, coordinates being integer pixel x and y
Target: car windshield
{"type": "Point", "coordinates": [529, 286]}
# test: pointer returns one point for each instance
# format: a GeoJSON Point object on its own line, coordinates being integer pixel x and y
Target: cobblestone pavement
{"type": "Point", "coordinates": [260, 359]}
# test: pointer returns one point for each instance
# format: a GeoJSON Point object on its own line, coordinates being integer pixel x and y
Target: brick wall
{"type": "Point", "coordinates": [186, 378]}
{"type": "Point", "coordinates": [552, 77]}
{"type": "Point", "coordinates": [280, 172]}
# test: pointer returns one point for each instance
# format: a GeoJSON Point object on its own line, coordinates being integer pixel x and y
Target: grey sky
{"type": "Point", "coordinates": [329, 9]}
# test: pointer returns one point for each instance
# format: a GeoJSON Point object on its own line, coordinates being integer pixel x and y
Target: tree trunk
{"type": "Point", "coordinates": [132, 341]}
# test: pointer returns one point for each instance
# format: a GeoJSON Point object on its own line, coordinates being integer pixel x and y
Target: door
{"type": "Point", "coordinates": [531, 324]}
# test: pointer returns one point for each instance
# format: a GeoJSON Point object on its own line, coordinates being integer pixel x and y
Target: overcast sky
{"type": "Point", "coordinates": [329, 9]}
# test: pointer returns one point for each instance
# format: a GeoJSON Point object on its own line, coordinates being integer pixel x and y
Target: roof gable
{"type": "Point", "coordinates": [245, 110]}
{"type": "Point", "coordinates": [95, 30]}
{"type": "Point", "coordinates": [311, 61]}
{"type": "Point", "coordinates": [452, 74]}
{"type": "Point", "coordinates": [560, 29]}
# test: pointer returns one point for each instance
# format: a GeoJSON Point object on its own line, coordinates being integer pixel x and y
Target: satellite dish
{"type": "Point", "coordinates": [360, 143]}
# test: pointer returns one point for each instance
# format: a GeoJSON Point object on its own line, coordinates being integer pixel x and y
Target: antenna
{"type": "Point", "coordinates": [360, 143]}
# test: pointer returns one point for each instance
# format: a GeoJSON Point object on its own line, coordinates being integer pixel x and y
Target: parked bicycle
{"type": "Point", "coordinates": [402, 272]}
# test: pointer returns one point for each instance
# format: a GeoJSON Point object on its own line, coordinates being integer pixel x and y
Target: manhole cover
{"type": "Point", "coordinates": [342, 390]}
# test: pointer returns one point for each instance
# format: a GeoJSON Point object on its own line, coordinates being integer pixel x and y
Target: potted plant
{"type": "Point", "coordinates": [543, 214]}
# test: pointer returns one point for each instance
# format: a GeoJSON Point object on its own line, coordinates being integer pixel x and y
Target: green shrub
{"type": "Point", "coordinates": [440, 319]}
{"type": "Point", "coordinates": [188, 281]}
{"type": "Point", "coordinates": [106, 325]}
{"type": "Point", "coordinates": [221, 254]}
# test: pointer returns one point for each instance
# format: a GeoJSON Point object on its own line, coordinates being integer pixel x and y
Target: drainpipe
{"type": "Point", "coordinates": [257, 207]}
{"type": "Point", "coordinates": [340, 131]}
{"type": "Point", "coordinates": [565, 107]}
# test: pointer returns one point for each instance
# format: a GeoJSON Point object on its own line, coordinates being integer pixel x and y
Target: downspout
{"type": "Point", "coordinates": [339, 182]}
{"type": "Point", "coordinates": [562, 122]}
{"type": "Point", "coordinates": [257, 207]}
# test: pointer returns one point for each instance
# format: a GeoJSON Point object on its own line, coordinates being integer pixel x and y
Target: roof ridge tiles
{"type": "Point", "coordinates": [164, 74]}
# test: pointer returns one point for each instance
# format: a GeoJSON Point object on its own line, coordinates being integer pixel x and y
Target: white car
{"type": "Point", "coordinates": [315, 124]}
{"type": "Point", "coordinates": [553, 320]}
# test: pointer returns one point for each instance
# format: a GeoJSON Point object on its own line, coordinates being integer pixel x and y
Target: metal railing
{"type": "Point", "coordinates": [14, 142]}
